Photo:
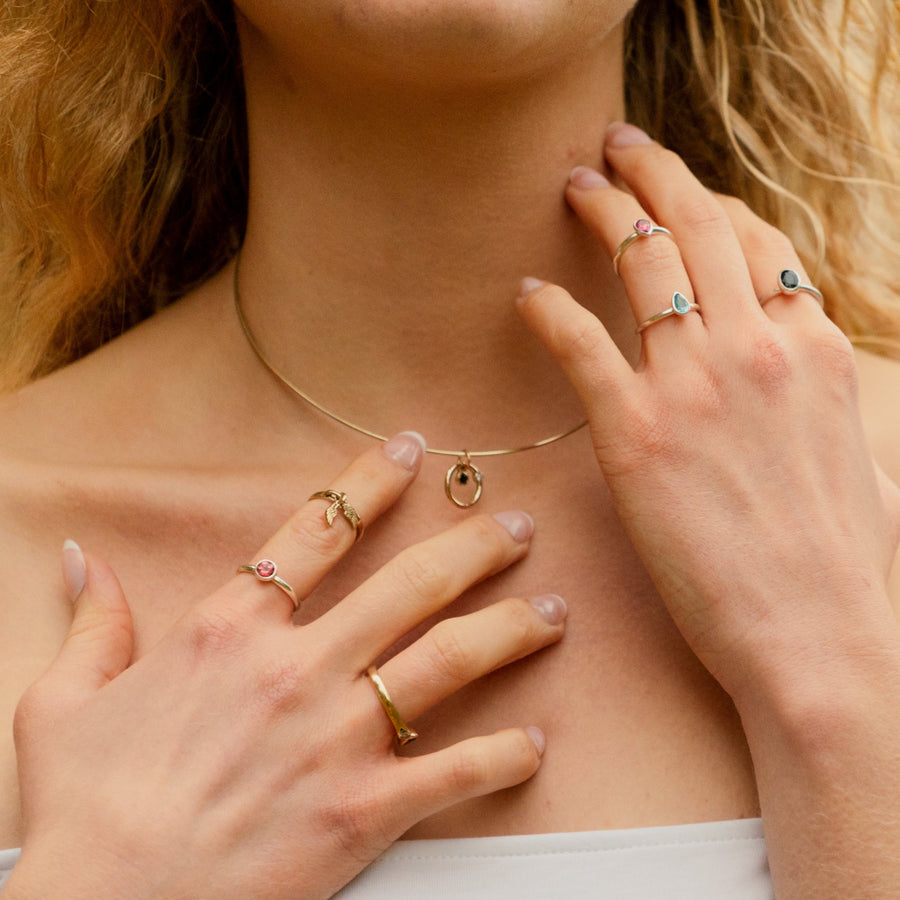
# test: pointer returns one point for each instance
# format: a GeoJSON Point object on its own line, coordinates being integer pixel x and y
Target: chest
{"type": "Point", "coordinates": [622, 699]}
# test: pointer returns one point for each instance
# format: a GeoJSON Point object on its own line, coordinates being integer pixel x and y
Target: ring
{"type": "Point", "coordinates": [339, 504]}
{"type": "Point", "coordinates": [405, 734]}
{"type": "Point", "coordinates": [789, 283]}
{"type": "Point", "coordinates": [680, 306]}
{"type": "Point", "coordinates": [642, 228]}
{"type": "Point", "coordinates": [266, 570]}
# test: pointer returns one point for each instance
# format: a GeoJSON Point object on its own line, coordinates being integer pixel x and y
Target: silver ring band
{"type": "Point", "coordinates": [680, 306]}
{"type": "Point", "coordinates": [642, 228]}
{"type": "Point", "coordinates": [789, 283]}
{"type": "Point", "coordinates": [266, 570]}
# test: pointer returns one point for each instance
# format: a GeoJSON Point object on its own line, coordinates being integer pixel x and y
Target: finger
{"type": "Point", "coordinates": [428, 784]}
{"type": "Point", "coordinates": [709, 248]}
{"type": "Point", "coordinates": [769, 252]}
{"type": "Point", "coordinates": [100, 640]}
{"type": "Point", "coordinates": [419, 582]}
{"type": "Point", "coordinates": [577, 339]}
{"type": "Point", "coordinates": [457, 651]}
{"type": "Point", "coordinates": [649, 264]}
{"type": "Point", "coordinates": [307, 547]}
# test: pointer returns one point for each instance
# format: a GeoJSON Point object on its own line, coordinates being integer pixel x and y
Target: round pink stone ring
{"type": "Point", "coordinates": [642, 228]}
{"type": "Point", "coordinates": [266, 570]}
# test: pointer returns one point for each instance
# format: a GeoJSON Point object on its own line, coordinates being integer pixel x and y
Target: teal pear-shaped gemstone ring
{"type": "Point", "coordinates": [680, 306]}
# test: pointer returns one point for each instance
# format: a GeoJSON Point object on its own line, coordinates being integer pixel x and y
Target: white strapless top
{"type": "Point", "coordinates": [709, 861]}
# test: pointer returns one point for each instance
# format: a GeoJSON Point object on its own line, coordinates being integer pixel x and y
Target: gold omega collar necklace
{"type": "Point", "coordinates": [459, 475]}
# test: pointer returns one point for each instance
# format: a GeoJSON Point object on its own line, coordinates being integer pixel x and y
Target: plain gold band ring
{"type": "Point", "coordinates": [405, 734]}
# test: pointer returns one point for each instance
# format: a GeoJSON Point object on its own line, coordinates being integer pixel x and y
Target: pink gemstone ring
{"type": "Point", "coordinates": [642, 228]}
{"type": "Point", "coordinates": [266, 570]}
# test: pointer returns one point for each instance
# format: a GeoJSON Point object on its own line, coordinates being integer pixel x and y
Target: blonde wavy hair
{"type": "Point", "coordinates": [123, 150]}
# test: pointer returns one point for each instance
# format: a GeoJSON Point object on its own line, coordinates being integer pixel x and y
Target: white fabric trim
{"type": "Point", "coordinates": [708, 861]}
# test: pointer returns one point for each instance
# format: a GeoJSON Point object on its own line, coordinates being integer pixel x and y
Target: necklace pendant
{"type": "Point", "coordinates": [462, 474]}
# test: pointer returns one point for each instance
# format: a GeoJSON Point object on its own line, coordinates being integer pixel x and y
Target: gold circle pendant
{"type": "Point", "coordinates": [462, 474]}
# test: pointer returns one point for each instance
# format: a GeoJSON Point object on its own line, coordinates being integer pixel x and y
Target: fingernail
{"type": "Point", "coordinates": [621, 134]}
{"type": "Point", "coordinates": [537, 737]}
{"type": "Point", "coordinates": [530, 284]}
{"type": "Point", "coordinates": [551, 607]}
{"type": "Point", "coordinates": [586, 178]}
{"type": "Point", "coordinates": [74, 569]}
{"type": "Point", "coordinates": [519, 524]}
{"type": "Point", "coordinates": [406, 448]}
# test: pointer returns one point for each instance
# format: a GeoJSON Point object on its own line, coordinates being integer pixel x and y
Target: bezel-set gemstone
{"type": "Point", "coordinates": [643, 226]}
{"type": "Point", "coordinates": [266, 570]}
{"type": "Point", "coordinates": [789, 279]}
{"type": "Point", "coordinates": [680, 304]}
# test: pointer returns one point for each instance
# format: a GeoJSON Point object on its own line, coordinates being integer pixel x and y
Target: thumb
{"type": "Point", "coordinates": [100, 640]}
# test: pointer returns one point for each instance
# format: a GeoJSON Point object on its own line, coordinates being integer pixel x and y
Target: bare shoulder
{"type": "Point", "coordinates": [154, 397]}
{"type": "Point", "coordinates": [879, 390]}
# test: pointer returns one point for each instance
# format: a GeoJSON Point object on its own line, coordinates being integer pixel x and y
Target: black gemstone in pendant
{"type": "Point", "coordinates": [464, 472]}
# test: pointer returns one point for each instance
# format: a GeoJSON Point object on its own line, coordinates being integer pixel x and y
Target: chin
{"type": "Point", "coordinates": [431, 39]}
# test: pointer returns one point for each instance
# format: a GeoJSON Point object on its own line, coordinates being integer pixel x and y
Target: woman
{"type": "Point", "coordinates": [408, 164]}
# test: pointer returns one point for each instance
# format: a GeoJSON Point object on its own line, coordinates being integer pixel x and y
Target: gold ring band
{"type": "Point", "coordinates": [339, 504]}
{"type": "Point", "coordinates": [405, 734]}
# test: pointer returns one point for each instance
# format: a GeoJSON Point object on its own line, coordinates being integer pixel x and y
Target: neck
{"type": "Point", "coordinates": [390, 227]}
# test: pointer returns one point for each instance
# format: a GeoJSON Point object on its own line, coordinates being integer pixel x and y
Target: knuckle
{"type": "Point", "coordinates": [471, 770]}
{"type": "Point", "coordinates": [522, 625]}
{"type": "Point", "coordinates": [216, 632]}
{"type": "Point", "coordinates": [763, 240]}
{"type": "Point", "coordinates": [582, 343]}
{"type": "Point", "coordinates": [705, 217]}
{"type": "Point", "coordinates": [421, 576]}
{"type": "Point", "coordinates": [710, 400]}
{"type": "Point", "coordinates": [736, 207]}
{"type": "Point", "coordinates": [309, 531]}
{"type": "Point", "coordinates": [647, 165]}
{"type": "Point", "coordinates": [658, 254]}
{"type": "Point", "coordinates": [485, 531]}
{"type": "Point", "coordinates": [768, 362]}
{"type": "Point", "coordinates": [449, 656]}
{"type": "Point", "coordinates": [281, 686]}
{"type": "Point", "coordinates": [646, 435]}
{"type": "Point", "coordinates": [524, 757]}
{"type": "Point", "coordinates": [834, 355]}
{"type": "Point", "coordinates": [358, 822]}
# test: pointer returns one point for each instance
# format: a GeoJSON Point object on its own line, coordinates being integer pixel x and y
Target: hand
{"type": "Point", "coordinates": [734, 452]}
{"type": "Point", "coordinates": [244, 756]}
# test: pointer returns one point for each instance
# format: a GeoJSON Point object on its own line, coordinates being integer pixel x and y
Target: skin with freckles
{"type": "Point", "coordinates": [409, 164]}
